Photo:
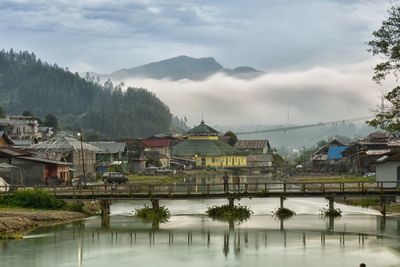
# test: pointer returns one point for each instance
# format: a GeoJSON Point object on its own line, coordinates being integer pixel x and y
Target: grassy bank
{"type": "Point", "coordinates": [334, 179]}
{"type": "Point", "coordinates": [155, 179]}
{"type": "Point", "coordinates": [371, 202]}
{"type": "Point", "coordinates": [27, 209]}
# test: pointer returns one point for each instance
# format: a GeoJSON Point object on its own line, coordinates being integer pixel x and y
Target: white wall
{"type": "Point", "coordinates": [387, 172]}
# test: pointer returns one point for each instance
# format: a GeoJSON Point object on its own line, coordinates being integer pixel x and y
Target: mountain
{"type": "Point", "coordinates": [182, 67]}
{"type": "Point", "coordinates": [27, 83]}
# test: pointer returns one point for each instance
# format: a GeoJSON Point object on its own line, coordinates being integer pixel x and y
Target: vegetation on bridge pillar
{"type": "Point", "coordinates": [105, 212]}
{"type": "Point", "coordinates": [283, 213]}
{"type": "Point", "coordinates": [155, 203]}
{"type": "Point", "coordinates": [330, 211]}
{"type": "Point", "coordinates": [231, 202]}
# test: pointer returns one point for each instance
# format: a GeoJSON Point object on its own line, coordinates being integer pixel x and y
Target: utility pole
{"type": "Point", "coordinates": [83, 158]}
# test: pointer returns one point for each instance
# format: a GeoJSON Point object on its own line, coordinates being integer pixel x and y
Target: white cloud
{"type": "Point", "coordinates": [313, 95]}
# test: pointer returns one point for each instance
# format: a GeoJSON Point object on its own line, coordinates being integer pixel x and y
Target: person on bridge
{"type": "Point", "coordinates": [226, 181]}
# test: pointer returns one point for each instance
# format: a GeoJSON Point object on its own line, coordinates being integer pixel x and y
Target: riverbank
{"type": "Point", "coordinates": [14, 221]}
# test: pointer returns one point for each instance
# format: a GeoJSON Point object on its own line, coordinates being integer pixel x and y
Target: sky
{"type": "Point", "coordinates": [314, 52]}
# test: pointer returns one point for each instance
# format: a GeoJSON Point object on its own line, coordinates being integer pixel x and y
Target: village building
{"type": "Point", "coordinates": [21, 167]}
{"type": "Point", "coordinates": [254, 146]}
{"type": "Point", "coordinates": [20, 127]}
{"type": "Point", "coordinates": [110, 152]}
{"type": "Point", "coordinates": [361, 155]}
{"type": "Point", "coordinates": [157, 149]}
{"type": "Point", "coordinates": [204, 147]}
{"type": "Point", "coordinates": [259, 152]}
{"type": "Point", "coordinates": [65, 148]}
{"type": "Point", "coordinates": [388, 169]}
{"type": "Point", "coordinates": [329, 158]}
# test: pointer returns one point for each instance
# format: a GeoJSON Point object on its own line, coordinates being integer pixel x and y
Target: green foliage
{"type": "Point", "coordinates": [228, 213]}
{"type": "Point", "coordinates": [283, 213]}
{"type": "Point", "coordinates": [148, 214]}
{"type": "Point", "coordinates": [32, 198]}
{"type": "Point", "coordinates": [27, 113]}
{"type": "Point", "coordinates": [27, 82]}
{"type": "Point", "coordinates": [51, 121]}
{"type": "Point", "coordinates": [387, 45]}
{"type": "Point", "coordinates": [115, 168]}
{"type": "Point", "coordinates": [232, 138]}
{"type": "Point", "coordinates": [326, 212]}
{"type": "Point", "coordinates": [2, 112]}
{"type": "Point", "coordinates": [77, 206]}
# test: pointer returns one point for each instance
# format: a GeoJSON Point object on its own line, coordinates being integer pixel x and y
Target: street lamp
{"type": "Point", "coordinates": [83, 158]}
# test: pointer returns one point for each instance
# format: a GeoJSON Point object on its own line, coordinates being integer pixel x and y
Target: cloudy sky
{"type": "Point", "coordinates": [313, 51]}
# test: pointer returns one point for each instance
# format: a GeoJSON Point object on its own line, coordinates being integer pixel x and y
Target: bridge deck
{"type": "Point", "coordinates": [212, 191]}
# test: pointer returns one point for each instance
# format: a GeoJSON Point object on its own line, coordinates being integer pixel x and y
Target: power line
{"type": "Point", "coordinates": [288, 128]}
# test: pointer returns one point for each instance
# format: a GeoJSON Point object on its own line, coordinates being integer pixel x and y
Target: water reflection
{"type": "Point", "coordinates": [254, 243]}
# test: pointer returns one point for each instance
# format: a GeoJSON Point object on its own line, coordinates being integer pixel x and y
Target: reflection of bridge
{"type": "Point", "coordinates": [232, 241]}
{"type": "Point", "coordinates": [282, 190]}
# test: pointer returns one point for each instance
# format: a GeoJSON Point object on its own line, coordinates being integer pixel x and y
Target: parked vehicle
{"type": "Point", "coordinates": [165, 171]}
{"type": "Point", "coordinates": [4, 186]}
{"type": "Point", "coordinates": [157, 171]}
{"type": "Point", "coordinates": [150, 171]}
{"type": "Point", "coordinates": [114, 178]}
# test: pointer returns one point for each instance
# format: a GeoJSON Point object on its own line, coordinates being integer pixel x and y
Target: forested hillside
{"type": "Point", "coordinates": [27, 83]}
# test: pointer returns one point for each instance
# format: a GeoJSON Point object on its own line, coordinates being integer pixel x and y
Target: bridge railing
{"type": "Point", "coordinates": [213, 188]}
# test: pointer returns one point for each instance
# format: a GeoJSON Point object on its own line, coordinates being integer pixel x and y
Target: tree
{"type": "Point", "coordinates": [27, 113]}
{"type": "Point", "coordinates": [51, 121]}
{"type": "Point", "coordinates": [387, 45]}
{"type": "Point", "coordinates": [232, 138]}
{"type": "Point", "coordinates": [2, 113]}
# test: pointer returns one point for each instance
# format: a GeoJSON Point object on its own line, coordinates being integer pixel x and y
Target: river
{"type": "Point", "coordinates": [191, 239]}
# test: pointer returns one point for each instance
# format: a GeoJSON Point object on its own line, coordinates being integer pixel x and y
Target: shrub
{"type": "Point", "coordinates": [148, 214]}
{"type": "Point", "coordinates": [283, 213]}
{"type": "Point", "coordinates": [326, 212]}
{"type": "Point", "coordinates": [75, 206]}
{"type": "Point", "coordinates": [33, 199]}
{"type": "Point", "coordinates": [229, 213]}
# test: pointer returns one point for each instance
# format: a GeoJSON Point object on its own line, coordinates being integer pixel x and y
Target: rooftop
{"type": "Point", "coordinates": [251, 144]}
{"type": "Point", "coordinates": [202, 148]}
{"type": "Point", "coordinates": [202, 129]}
{"type": "Point", "coordinates": [62, 142]}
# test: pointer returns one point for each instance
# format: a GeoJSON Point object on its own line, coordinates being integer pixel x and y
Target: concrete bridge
{"type": "Point", "coordinates": [105, 193]}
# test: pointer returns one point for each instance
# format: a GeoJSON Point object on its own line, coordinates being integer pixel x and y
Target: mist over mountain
{"type": "Point", "coordinates": [182, 67]}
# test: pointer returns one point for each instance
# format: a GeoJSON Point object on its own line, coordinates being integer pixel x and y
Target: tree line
{"type": "Point", "coordinates": [27, 83]}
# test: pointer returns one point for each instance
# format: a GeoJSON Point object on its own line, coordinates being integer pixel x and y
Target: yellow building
{"type": "Point", "coordinates": [204, 147]}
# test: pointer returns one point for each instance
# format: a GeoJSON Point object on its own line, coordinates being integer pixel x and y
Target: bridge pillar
{"type": "Point", "coordinates": [331, 205]}
{"type": "Point", "coordinates": [231, 202]}
{"type": "Point", "coordinates": [155, 203]}
{"type": "Point", "coordinates": [105, 212]}
{"type": "Point", "coordinates": [383, 206]}
{"type": "Point", "coordinates": [281, 202]}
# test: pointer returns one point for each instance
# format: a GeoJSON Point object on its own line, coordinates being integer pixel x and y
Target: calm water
{"type": "Point", "coordinates": [190, 239]}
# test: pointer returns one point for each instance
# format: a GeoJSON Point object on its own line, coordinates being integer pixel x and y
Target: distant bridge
{"type": "Point", "coordinates": [296, 127]}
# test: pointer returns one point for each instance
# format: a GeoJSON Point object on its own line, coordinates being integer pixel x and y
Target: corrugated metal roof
{"type": "Point", "coordinates": [251, 144]}
{"type": "Point", "coordinates": [202, 148]}
{"type": "Point", "coordinates": [155, 142]}
{"type": "Point", "coordinates": [42, 160]}
{"type": "Point", "coordinates": [64, 143]}
{"type": "Point", "coordinates": [109, 147]}
{"type": "Point", "coordinates": [13, 152]}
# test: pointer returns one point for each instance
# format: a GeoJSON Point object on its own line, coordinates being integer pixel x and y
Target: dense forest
{"type": "Point", "coordinates": [27, 83]}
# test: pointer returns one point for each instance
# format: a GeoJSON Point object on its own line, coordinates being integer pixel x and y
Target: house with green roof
{"type": "Point", "coordinates": [203, 146]}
